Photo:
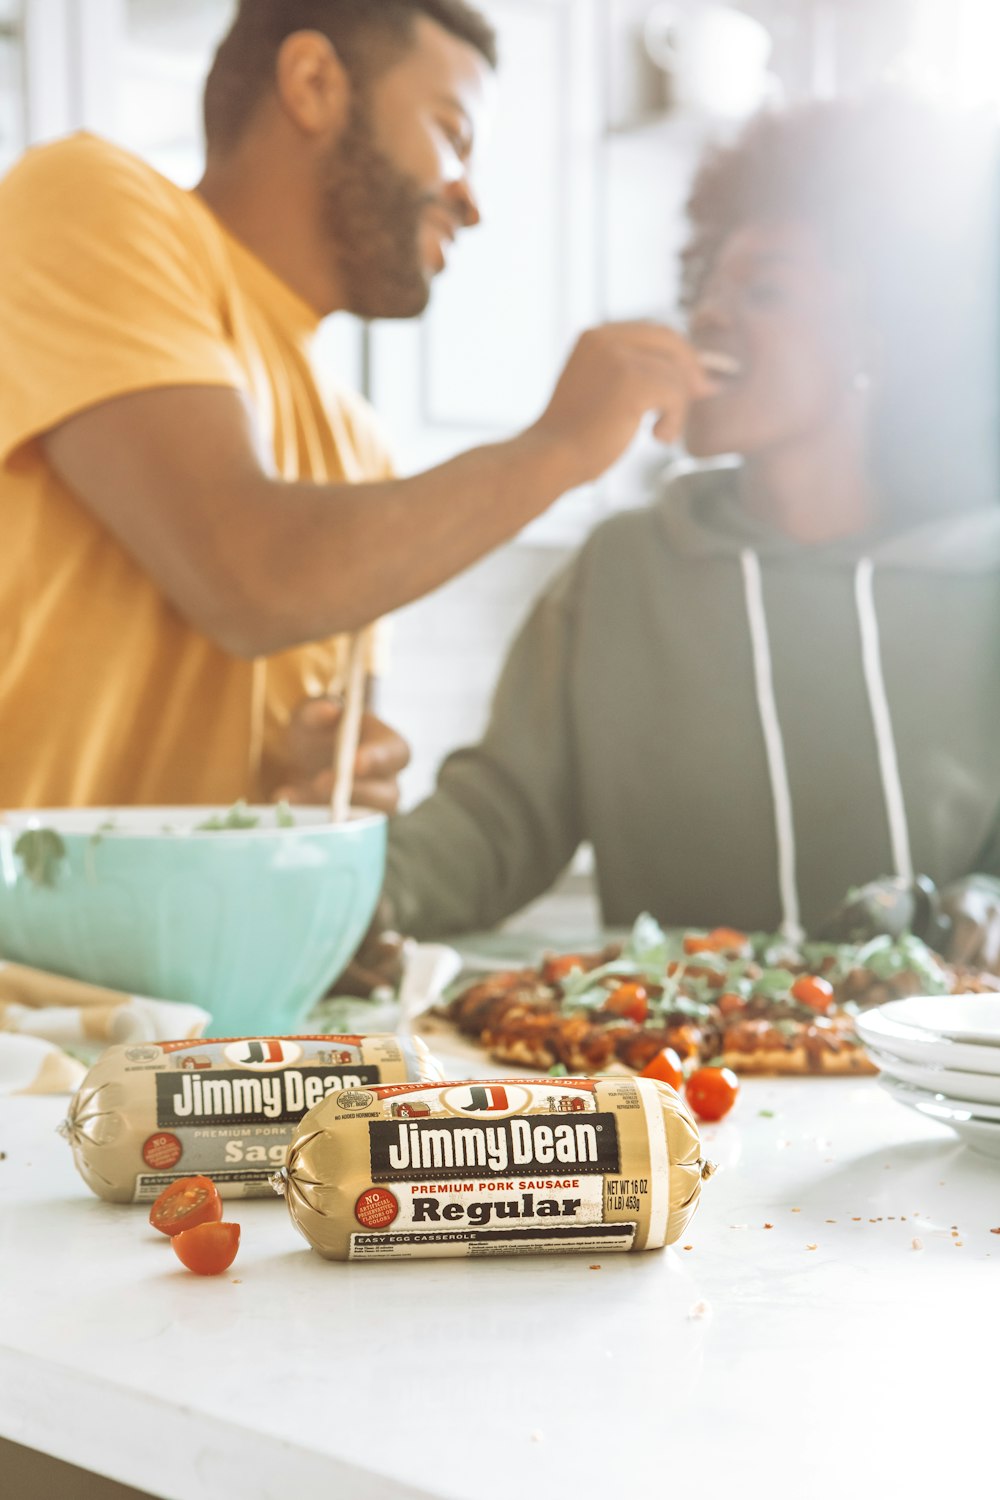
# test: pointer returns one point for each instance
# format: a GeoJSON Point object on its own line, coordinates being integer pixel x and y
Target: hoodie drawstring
{"type": "Point", "coordinates": [774, 745]}
{"type": "Point", "coordinates": [878, 702]}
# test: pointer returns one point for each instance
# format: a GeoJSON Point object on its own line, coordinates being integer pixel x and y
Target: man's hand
{"type": "Point", "coordinates": [616, 375]}
{"type": "Point", "coordinates": [382, 756]}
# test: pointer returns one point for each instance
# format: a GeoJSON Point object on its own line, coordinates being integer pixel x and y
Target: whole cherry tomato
{"type": "Point", "coordinates": [630, 1001]}
{"type": "Point", "coordinates": [711, 1092]}
{"type": "Point", "coordinates": [719, 940]}
{"type": "Point", "coordinates": [666, 1066]}
{"type": "Point", "coordinates": [209, 1249]}
{"type": "Point", "coordinates": [731, 1004]}
{"type": "Point", "coordinates": [185, 1204]}
{"type": "Point", "coordinates": [816, 993]}
{"type": "Point", "coordinates": [555, 970]}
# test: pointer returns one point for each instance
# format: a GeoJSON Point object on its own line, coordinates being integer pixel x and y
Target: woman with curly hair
{"type": "Point", "coordinates": [780, 680]}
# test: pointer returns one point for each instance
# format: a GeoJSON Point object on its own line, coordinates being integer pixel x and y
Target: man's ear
{"type": "Point", "coordinates": [313, 86]}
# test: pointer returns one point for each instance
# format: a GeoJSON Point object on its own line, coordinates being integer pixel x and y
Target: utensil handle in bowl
{"type": "Point", "coordinates": [349, 733]}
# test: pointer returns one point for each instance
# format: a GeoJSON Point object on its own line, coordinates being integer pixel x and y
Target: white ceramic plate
{"type": "Point", "coordinates": [882, 1029]}
{"type": "Point", "coordinates": [944, 1104]}
{"type": "Point", "coordinates": [956, 1084]}
{"type": "Point", "coordinates": [979, 1130]}
{"type": "Point", "coordinates": [959, 1018]}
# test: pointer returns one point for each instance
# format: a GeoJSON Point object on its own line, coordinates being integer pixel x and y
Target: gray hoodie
{"type": "Point", "coordinates": [742, 727]}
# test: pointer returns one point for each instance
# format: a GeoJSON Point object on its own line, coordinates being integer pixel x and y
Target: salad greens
{"type": "Point", "coordinates": [240, 817]}
{"type": "Point", "coordinates": [42, 850]}
{"type": "Point", "coordinates": [688, 984]}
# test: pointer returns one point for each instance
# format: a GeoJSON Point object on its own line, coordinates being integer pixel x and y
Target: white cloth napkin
{"type": "Point", "coordinates": [42, 1014]}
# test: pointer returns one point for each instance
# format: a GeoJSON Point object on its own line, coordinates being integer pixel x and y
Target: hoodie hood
{"type": "Point", "coordinates": [700, 515]}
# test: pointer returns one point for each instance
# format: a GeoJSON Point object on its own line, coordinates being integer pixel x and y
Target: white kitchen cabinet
{"type": "Point", "coordinates": [482, 362]}
{"type": "Point", "coordinates": [13, 123]}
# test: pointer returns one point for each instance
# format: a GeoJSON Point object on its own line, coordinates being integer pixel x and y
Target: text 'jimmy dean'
{"type": "Point", "coordinates": [451, 1148]}
{"type": "Point", "coordinates": [231, 1098]}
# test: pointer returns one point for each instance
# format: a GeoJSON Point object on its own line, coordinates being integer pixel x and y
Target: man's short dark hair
{"type": "Point", "coordinates": [369, 35]}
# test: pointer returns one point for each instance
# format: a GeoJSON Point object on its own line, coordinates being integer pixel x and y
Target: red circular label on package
{"type": "Point", "coordinates": [162, 1151]}
{"type": "Point", "coordinates": [376, 1209]}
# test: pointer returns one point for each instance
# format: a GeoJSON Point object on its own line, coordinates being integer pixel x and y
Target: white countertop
{"type": "Point", "coordinates": [748, 1363]}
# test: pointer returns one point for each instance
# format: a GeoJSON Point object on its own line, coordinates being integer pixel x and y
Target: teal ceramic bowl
{"type": "Point", "coordinates": [253, 925]}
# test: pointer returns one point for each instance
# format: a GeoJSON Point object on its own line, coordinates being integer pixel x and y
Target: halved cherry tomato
{"type": "Point", "coordinates": [185, 1204]}
{"type": "Point", "coordinates": [719, 940]}
{"type": "Point", "coordinates": [816, 993]}
{"type": "Point", "coordinates": [209, 1249]}
{"type": "Point", "coordinates": [711, 1092]}
{"type": "Point", "coordinates": [731, 1004]}
{"type": "Point", "coordinates": [630, 1001]}
{"type": "Point", "coordinates": [555, 970]}
{"type": "Point", "coordinates": [666, 1066]}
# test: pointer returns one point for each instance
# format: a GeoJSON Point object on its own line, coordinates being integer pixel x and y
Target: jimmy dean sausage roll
{"type": "Point", "coordinates": [493, 1168]}
{"type": "Point", "coordinates": [226, 1109]}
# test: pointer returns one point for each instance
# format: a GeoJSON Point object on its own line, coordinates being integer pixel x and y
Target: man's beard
{"type": "Point", "coordinates": [372, 213]}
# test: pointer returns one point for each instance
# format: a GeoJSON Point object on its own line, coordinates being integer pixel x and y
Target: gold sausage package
{"type": "Point", "coordinates": [226, 1108]}
{"type": "Point", "coordinates": [517, 1166]}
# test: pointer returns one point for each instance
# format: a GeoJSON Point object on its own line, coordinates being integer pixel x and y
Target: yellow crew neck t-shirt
{"type": "Point", "coordinates": [114, 280]}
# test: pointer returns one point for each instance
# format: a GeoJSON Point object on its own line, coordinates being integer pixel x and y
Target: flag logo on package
{"type": "Point", "coordinates": [485, 1099]}
{"type": "Point", "coordinates": [263, 1052]}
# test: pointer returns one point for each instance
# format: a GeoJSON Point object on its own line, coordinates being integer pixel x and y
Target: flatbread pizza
{"type": "Point", "coordinates": [750, 1002]}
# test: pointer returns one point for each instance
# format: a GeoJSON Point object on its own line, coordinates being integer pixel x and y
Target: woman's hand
{"type": "Point", "coordinates": [972, 906]}
{"type": "Point", "coordinates": [382, 756]}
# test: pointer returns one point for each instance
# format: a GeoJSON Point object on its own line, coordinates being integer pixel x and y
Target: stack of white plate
{"type": "Point", "coordinates": [940, 1054]}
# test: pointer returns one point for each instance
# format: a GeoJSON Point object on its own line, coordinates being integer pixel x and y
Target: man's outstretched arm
{"type": "Point", "coordinates": [259, 564]}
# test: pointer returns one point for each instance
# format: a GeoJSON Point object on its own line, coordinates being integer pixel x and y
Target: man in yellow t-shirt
{"type": "Point", "coordinates": [185, 519]}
